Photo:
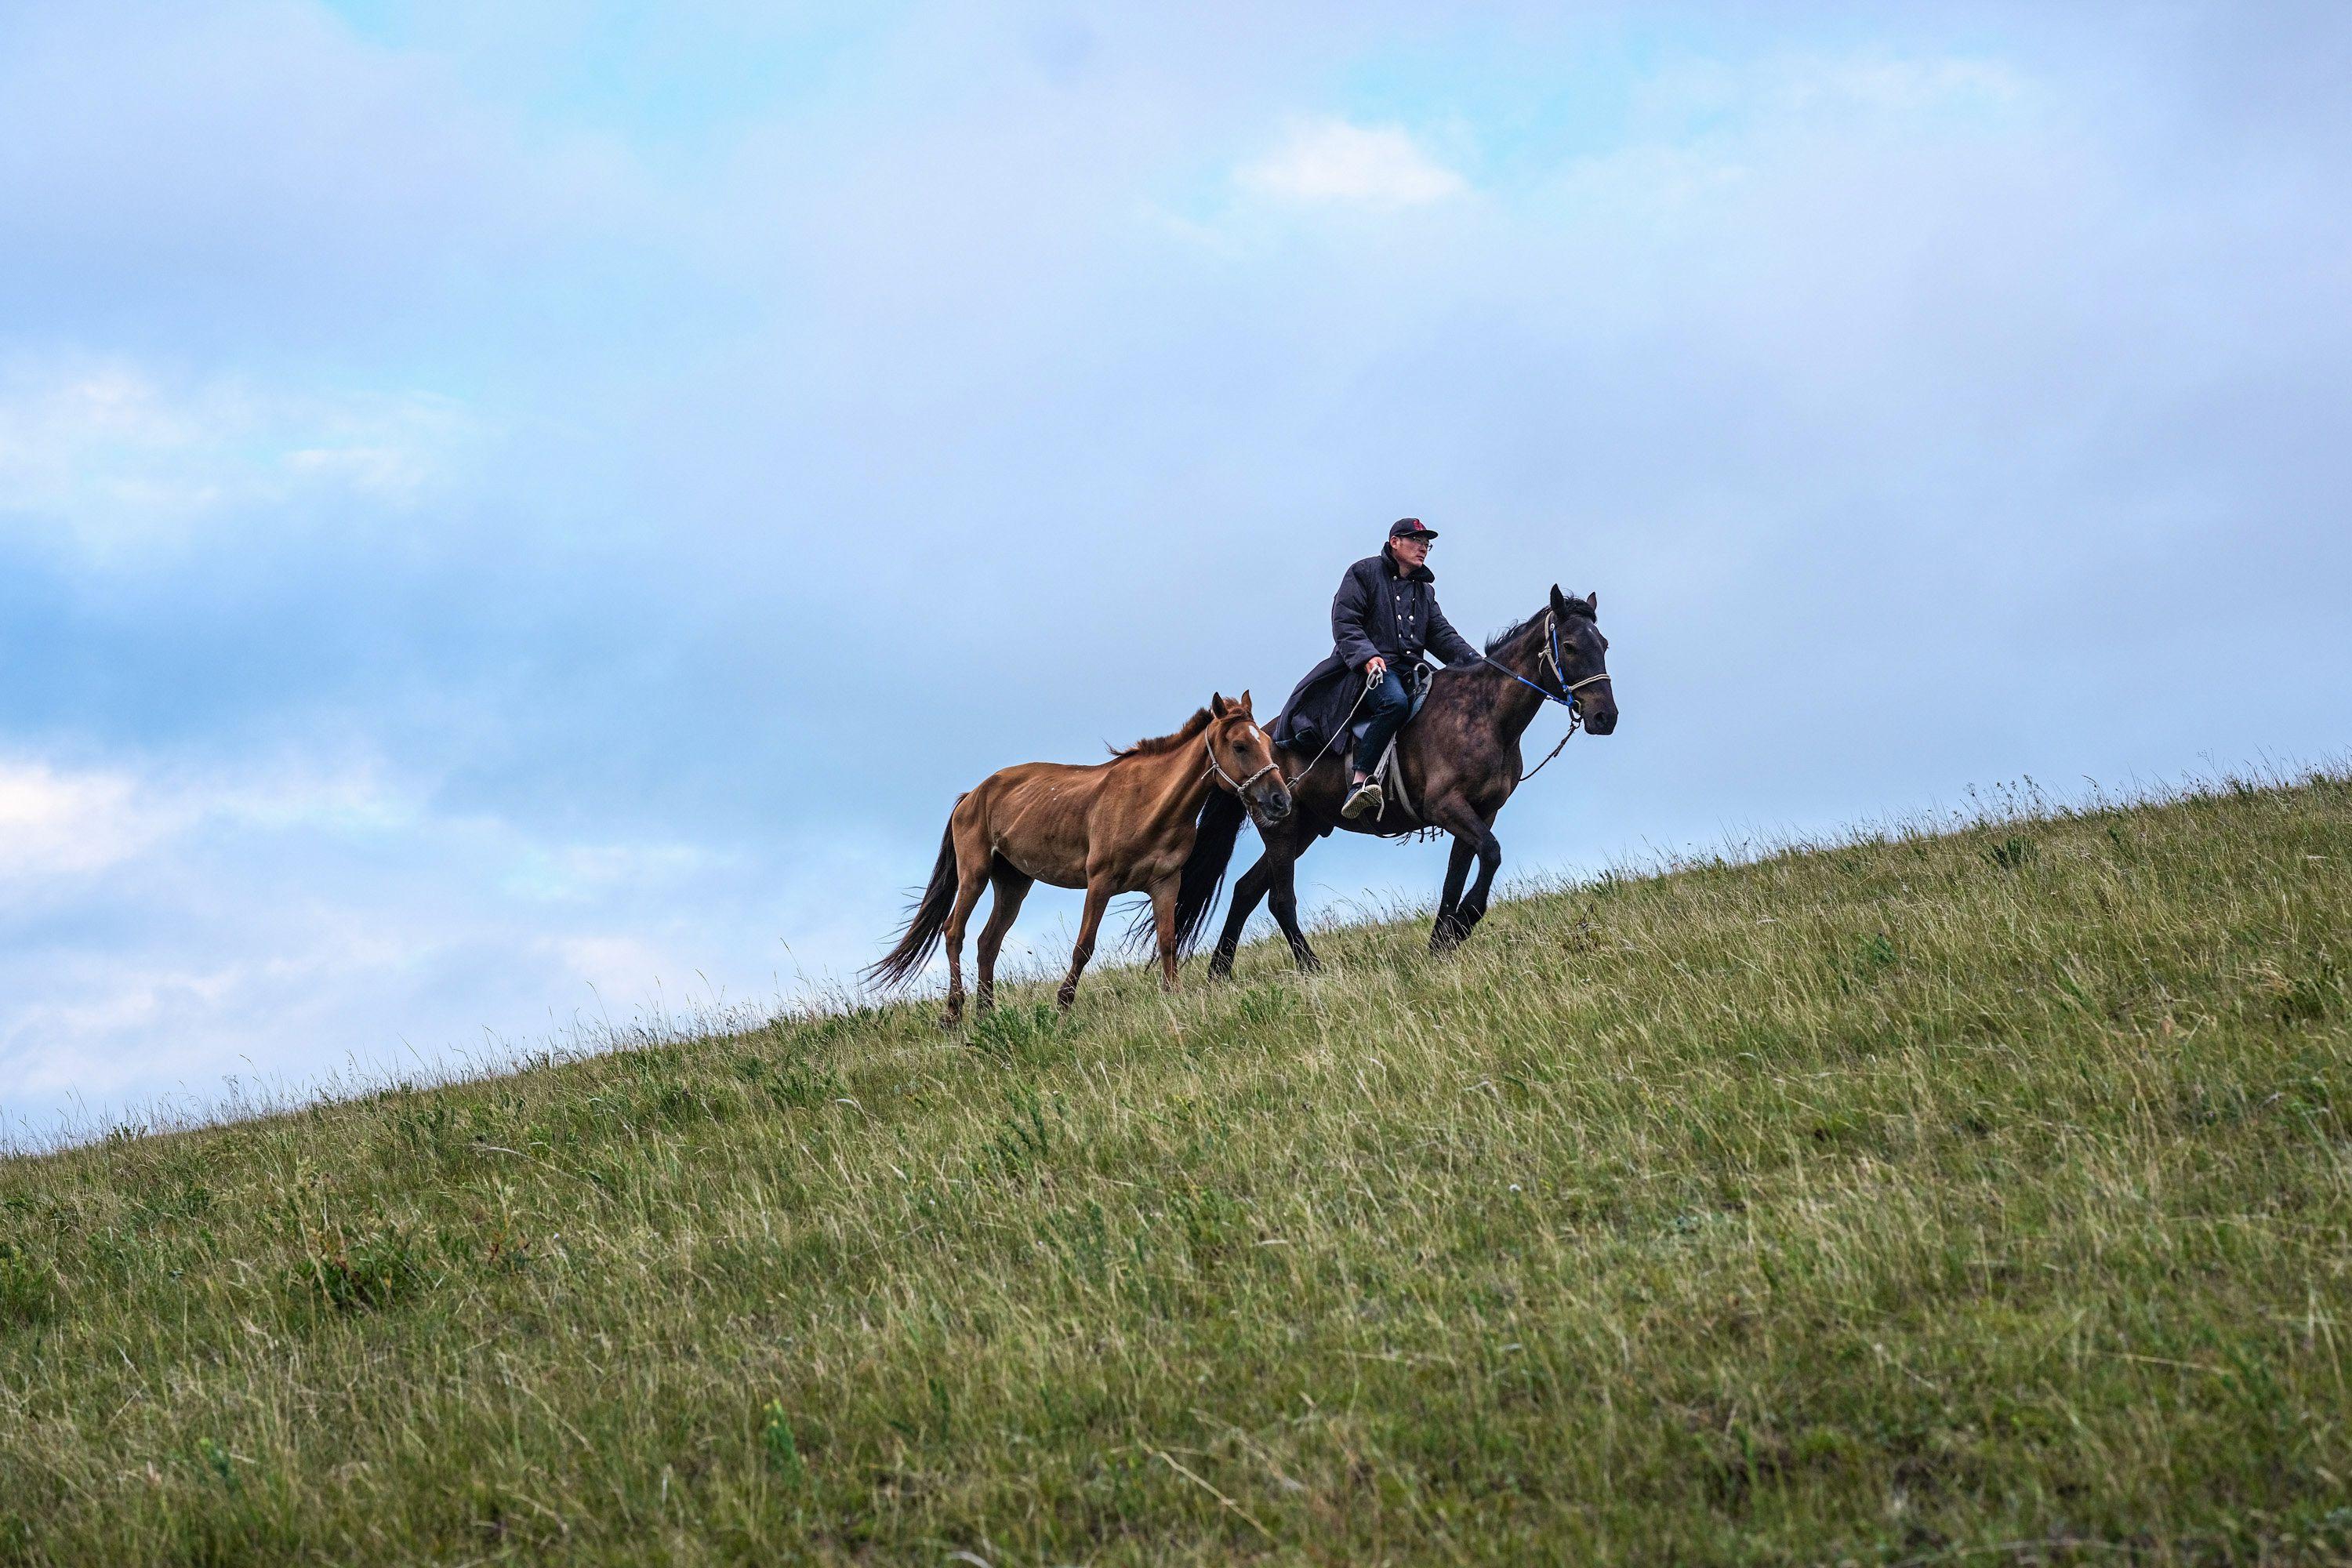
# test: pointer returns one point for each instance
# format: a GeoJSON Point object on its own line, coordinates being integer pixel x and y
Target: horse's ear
{"type": "Point", "coordinates": [1243, 703]}
{"type": "Point", "coordinates": [1216, 704]}
{"type": "Point", "coordinates": [1593, 600]}
{"type": "Point", "coordinates": [1558, 602]}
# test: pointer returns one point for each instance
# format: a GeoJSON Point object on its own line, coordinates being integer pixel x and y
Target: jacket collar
{"type": "Point", "coordinates": [1418, 574]}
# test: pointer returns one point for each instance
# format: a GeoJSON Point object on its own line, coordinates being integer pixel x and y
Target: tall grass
{"type": "Point", "coordinates": [1978, 1197]}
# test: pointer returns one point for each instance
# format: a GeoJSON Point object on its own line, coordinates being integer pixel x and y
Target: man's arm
{"type": "Point", "coordinates": [1351, 633]}
{"type": "Point", "coordinates": [1445, 641]}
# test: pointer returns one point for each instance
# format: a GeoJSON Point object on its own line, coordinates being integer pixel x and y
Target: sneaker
{"type": "Point", "coordinates": [1366, 797]}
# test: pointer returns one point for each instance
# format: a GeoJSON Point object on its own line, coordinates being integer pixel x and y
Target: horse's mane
{"type": "Point", "coordinates": [1512, 633]}
{"type": "Point", "coordinates": [1160, 745]}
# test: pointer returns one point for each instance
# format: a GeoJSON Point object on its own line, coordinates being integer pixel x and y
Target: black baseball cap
{"type": "Point", "coordinates": [1410, 528]}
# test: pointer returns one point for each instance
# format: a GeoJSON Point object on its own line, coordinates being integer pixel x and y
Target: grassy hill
{"type": "Point", "coordinates": [1975, 1198]}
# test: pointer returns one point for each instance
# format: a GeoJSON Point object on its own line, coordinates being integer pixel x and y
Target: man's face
{"type": "Point", "coordinates": [1411, 551]}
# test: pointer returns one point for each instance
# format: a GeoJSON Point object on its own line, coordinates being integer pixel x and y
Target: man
{"type": "Point", "coordinates": [1383, 617]}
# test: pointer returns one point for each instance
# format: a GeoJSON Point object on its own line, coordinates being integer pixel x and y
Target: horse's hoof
{"type": "Point", "coordinates": [1221, 967]}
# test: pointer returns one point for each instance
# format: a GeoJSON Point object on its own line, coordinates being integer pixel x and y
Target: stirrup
{"type": "Point", "coordinates": [1366, 797]}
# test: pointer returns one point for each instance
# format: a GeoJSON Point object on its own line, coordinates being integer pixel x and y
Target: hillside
{"type": "Point", "coordinates": [1975, 1198]}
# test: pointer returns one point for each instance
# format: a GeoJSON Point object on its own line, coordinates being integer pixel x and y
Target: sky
{"type": "Point", "coordinates": [520, 519]}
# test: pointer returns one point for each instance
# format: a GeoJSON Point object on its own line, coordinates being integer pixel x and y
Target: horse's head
{"type": "Point", "coordinates": [1583, 656]}
{"type": "Point", "coordinates": [1245, 758]}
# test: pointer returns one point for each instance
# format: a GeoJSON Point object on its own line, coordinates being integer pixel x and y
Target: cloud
{"type": "Point", "coordinates": [63, 823]}
{"type": "Point", "coordinates": [167, 923]}
{"type": "Point", "coordinates": [1335, 162]}
{"type": "Point", "coordinates": [113, 463]}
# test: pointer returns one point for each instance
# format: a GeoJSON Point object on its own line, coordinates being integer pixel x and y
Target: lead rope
{"type": "Point", "coordinates": [1370, 680]}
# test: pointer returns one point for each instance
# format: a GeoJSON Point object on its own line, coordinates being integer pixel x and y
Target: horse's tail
{"type": "Point", "coordinates": [1222, 816]}
{"type": "Point", "coordinates": [1213, 836]}
{"type": "Point", "coordinates": [924, 922]}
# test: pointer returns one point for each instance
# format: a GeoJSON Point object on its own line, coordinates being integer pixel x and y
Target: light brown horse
{"type": "Point", "coordinates": [1159, 817]}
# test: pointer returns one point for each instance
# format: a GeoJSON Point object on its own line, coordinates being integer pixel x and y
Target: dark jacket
{"type": "Point", "coordinates": [1378, 610]}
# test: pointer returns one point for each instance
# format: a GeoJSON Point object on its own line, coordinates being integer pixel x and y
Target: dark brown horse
{"type": "Point", "coordinates": [1159, 817]}
{"type": "Point", "coordinates": [1460, 759]}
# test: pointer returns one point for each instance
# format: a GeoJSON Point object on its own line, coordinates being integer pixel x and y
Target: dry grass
{"type": "Point", "coordinates": [1973, 1198]}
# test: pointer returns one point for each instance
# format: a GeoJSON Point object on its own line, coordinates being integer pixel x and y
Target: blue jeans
{"type": "Point", "coordinates": [1384, 712]}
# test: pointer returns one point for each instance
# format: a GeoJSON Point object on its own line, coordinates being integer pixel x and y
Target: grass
{"type": "Point", "coordinates": [1982, 1197]}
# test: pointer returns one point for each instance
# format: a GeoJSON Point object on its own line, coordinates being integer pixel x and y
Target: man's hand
{"type": "Point", "coordinates": [1376, 667]}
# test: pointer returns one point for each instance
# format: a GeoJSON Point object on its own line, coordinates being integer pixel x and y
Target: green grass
{"type": "Point", "coordinates": [1975, 1198]}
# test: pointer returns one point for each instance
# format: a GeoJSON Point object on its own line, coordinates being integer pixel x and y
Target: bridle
{"type": "Point", "coordinates": [1218, 768]}
{"type": "Point", "coordinates": [1565, 696]}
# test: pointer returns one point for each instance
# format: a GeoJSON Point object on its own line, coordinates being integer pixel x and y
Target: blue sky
{"type": "Point", "coordinates": [522, 514]}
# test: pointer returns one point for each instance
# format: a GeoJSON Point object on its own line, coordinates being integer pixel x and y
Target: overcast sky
{"type": "Point", "coordinates": [513, 514]}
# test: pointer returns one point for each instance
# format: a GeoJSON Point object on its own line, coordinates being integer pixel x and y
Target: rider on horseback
{"type": "Point", "coordinates": [1383, 617]}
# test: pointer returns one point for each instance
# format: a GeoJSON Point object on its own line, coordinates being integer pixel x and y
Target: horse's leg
{"type": "Point", "coordinates": [1283, 899]}
{"type": "Point", "coordinates": [1445, 934]}
{"type": "Point", "coordinates": [1470, 830]}
{"type": "Point", "coordinates": [1248, 889]}
{"type": "Point", "coordinates": [1098, 900]}
{"type": "Point", "coordinates": [1011, 886]}
{"type": "Point", "coordinates": [1164, 918]}
{"type": "Point", "coordinates": [1490, 860]}
{"type": "Point", "coordinates": [971, 875]}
